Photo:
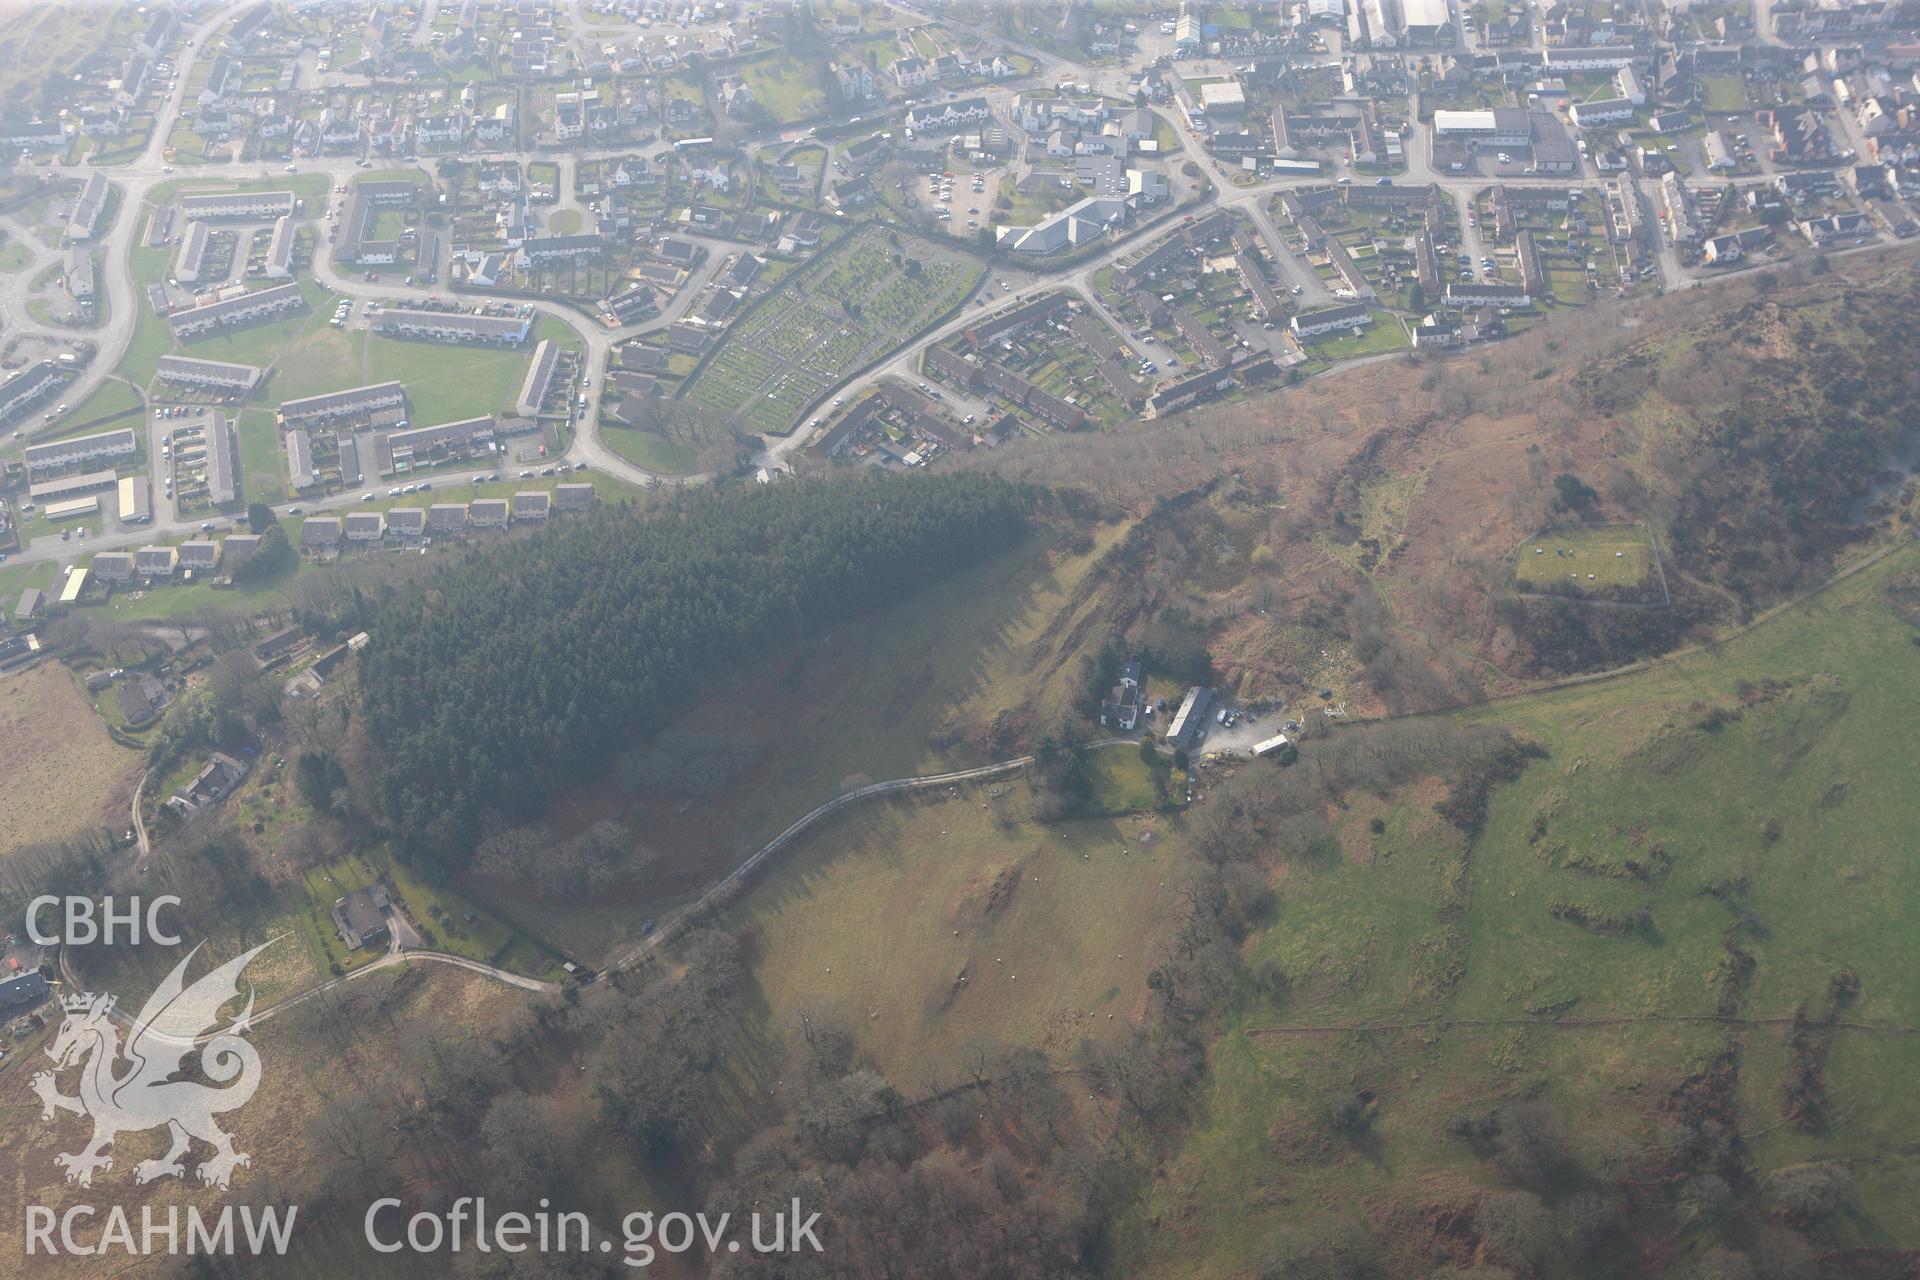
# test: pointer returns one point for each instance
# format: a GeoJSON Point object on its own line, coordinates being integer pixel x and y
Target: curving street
{"type": "Point", "coordinates": [1024, 281]}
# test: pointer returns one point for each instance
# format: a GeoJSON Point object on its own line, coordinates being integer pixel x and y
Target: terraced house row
{"type": "Point", "coordinates": [238, 312]}
{"type": "Point", "coordinates": [326, 535]}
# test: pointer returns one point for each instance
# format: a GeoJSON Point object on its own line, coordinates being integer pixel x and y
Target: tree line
{"type": "Point", "coordinates": [519, 669]}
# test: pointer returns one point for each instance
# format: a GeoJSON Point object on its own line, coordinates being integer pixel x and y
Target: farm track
{"type": "Point", "coordinates": [641, 952]}
{"type": "Point", "coordinates": [395, 958]}
{"type": "Point", "coordinates": [1600, 1022]}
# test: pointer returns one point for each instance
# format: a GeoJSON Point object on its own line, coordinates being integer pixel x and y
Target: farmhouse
{"type": "Point", "coordinates": [1121, 710]}
{"type": "Point", "coordinates": [361, 917]}
{"type": "Point", "coordinates": [216, 781]}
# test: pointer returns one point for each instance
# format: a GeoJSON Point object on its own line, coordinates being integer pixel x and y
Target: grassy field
{"type": "Point", "coordinates": [15, 578]}
{"type": "Point", "coordinates": [446, 382]}
{"type": "Point", "coordinates": [60, 772]}
{"type": "Point", "coordinates": [439, 912]}
{"type": "Point", "coordinates": [929, 924]}
{"type": "Point", "coordinates": [314, 354]}
{"type": "Point", "coordinates": [649, 449]}
{"type": "Point", "coordinates": [1386, 333]}
{"type": "Point", "coordinates": [173, 601]}
{"type": "Point", "coordinates": [1572, 559]}
{"type": "Point", "coordinates": [1743, 796]}
{"type": "Point", "coordinates": [844, 310]}
{"type": "Point", "coordinates": [788, 86]}
{"type": "Point", "coordinates": [262, 457]}
{"type": "Point", "coordinates": [1123, 782]}
{"type": "Point", "coordinates": [1725, 93]}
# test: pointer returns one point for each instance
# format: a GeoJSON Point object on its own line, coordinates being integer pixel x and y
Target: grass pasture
{"type": "Point", "coordinates": [1576, 560]}
{"type": "Point", "coordinates": [1725, 93]}
{"type": "Point", "coordinates": [447, 382]}
{"type": "Point", "coordinates": [926, 924]}
{"type": "Point", "coordinates": [59, 773]}
{"type": "Point", "coordinates": [788, 86]}
{"type": "Point", "coordinates": [1123, 782]}
{"type": "Point", "coordinates": [1752, 797]}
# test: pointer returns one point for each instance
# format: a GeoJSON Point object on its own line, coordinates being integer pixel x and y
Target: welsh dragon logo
{"type": "Point", "coordinates": [176, 1021]}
